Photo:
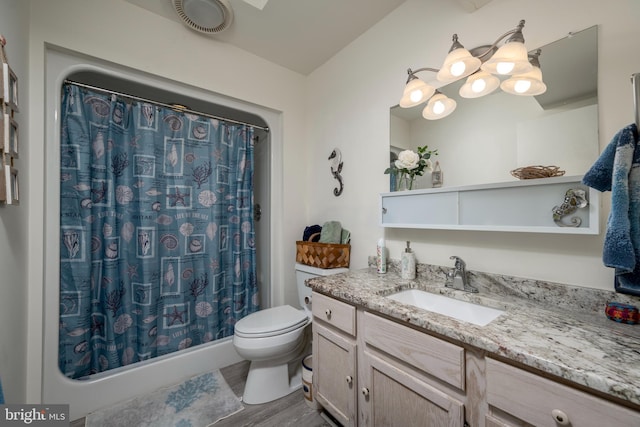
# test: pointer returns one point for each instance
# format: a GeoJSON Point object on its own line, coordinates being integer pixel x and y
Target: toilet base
{"type": "Point", "coordinates": [267, 382]}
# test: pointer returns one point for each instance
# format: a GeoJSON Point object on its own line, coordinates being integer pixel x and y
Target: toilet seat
{"type": "Point", "coordinates": [271, 321]}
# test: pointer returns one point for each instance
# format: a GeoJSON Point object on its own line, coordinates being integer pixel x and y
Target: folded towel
{"type": "Point", "coordinates": [309, 232]}
{"type": "Point", "coordinates": [331, 232]}
{"type": "Point", "coordinates": [618, 170]}
{"type": "Point", "coordinates": [345, 236]}
{"type": "Point", "coordinates": [1, 395]}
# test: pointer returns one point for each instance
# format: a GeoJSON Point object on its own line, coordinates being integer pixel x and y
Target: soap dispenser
{"type": "Point", "coordinates": [408, 267]}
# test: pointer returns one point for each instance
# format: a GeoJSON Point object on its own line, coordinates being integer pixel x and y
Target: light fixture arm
{"type": "Point", "coordinates": [534, 58]}
{"type": "Point", "coordinates": [412, 73]}
{"type": "Point", "coordinates": [516, 36]}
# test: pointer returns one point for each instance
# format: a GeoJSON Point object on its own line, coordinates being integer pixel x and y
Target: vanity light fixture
{"type": "Point", "coordinates": [439, 106]}
{"type": "Point", "coordinates": [458, 64]}
{"type": "Point", "coordinates": [529, 83]}
{"type": "Point", "coordinates": [482, 65]}
{"type": "Point", "coordinates": [416, 91]}
{"type": "Point", "coordinates": [479, 84]}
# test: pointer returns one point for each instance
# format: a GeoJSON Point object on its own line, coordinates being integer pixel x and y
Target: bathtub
{"type": "Point", "coordinates": [107, 388]}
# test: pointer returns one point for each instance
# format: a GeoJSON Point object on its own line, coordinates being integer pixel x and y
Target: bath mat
{"type": "Point", "coordinates": [197, 402]}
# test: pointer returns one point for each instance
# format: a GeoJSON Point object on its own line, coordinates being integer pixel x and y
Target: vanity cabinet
{"type": "Point", "coordinates": [519, 397]}
{"type": "Point", "coordinates": [375, 372]}
{"type": "Point", "coordinates": [370, 370]}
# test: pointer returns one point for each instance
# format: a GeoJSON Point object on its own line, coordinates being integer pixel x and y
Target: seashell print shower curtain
{"type": "Point", "coordinates": [157, 248]}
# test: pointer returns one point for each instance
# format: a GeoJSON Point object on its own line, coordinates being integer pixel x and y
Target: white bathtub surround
{"type": "Point", "coordinates": [100, 391]}
{"type": "Point", "coordinates": [557, 329]}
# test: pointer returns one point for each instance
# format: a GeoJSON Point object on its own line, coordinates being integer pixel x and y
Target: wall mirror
{"type": "Point", "coordinates": [486, 138]}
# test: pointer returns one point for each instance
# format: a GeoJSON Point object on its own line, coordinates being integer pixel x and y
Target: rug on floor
{"type": "Point", "coordinates": [197, 402]}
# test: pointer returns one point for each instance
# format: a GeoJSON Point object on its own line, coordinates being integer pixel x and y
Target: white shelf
{"type": "Point", "coordinates": [519, 206]}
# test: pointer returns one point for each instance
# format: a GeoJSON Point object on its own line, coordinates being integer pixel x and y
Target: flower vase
{"type": "Point", "coordinates": [405, 182]}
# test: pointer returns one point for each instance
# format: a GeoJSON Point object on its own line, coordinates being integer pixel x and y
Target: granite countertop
{"type": "Point", "coordinates": [558, 329]}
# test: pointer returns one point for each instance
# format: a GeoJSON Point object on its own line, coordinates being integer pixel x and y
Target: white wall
{"type": "Point", "coordinates": [349, 99]}
{"type": "Point", "coordinates": [125, 34]}
{"type": "Point", "coordinates": [14, 25]}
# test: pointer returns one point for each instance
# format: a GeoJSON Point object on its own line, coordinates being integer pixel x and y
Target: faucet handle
{"type": "Point", "coordinates": [459, 263]}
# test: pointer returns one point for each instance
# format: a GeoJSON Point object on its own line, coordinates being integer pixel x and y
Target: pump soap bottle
{"type": "Point", "coordinates": [408, 264]}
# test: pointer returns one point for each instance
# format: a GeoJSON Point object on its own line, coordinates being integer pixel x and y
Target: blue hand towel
{"type": "Point", "coordinates": [310, 232]}
{"type": "Point", "coordinates": [1, 395]}
{"type": "Point", "coordinates": [618, 170]}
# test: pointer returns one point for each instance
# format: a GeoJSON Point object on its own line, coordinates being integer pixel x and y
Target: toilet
{"type": "Point", "coordinates": [275, 340]}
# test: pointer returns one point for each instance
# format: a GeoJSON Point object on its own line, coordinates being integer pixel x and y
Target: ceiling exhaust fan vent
{"type": "Point", "coordinates": [205, 16]}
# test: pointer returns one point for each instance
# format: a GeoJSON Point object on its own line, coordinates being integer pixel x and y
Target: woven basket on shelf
{"type": "Point", "coordinates": [532, 172]}
{"type": "Point", "coordinates": [322, 255]}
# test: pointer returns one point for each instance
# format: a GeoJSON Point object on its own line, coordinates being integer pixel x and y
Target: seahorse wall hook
{"type": "Point", "coordinates": [335, 161]}
{"type": "Point", "coordinates": [574, 198]}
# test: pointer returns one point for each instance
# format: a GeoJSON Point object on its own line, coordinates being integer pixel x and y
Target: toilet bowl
{"type": "Point", "coordinates": [275, 340]}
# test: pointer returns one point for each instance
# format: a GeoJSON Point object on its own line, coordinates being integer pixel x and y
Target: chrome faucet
{"type": "Point", "coordinates": [457, 277]}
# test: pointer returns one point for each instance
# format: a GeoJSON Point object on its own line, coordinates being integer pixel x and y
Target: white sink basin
{"type": "Point", "coordinates": [461, 310]}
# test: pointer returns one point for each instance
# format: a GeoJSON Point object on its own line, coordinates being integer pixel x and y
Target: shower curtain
{"type": "Point", "coordinates": [157, 248]}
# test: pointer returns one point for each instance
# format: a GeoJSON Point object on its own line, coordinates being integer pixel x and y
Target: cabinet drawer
{"type": "Point", "coordinates": [543, 402]}
{"type": "Point", "coordinates": [436, 357]}
{"type": "Point", "coordinates": [336, 313]}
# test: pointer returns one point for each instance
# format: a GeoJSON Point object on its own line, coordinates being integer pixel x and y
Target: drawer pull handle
{"type": "Point", "coordinates": [560, 417]}
{"type": "Point", "coordinates": [327, 312]}
{"type": "Point", "coordinates": [349, 379]}
{"type": "Point", "coordinates": [365, 392]}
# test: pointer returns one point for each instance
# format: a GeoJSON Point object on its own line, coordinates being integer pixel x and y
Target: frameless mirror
{"type": "Point", "coordinates": [486, 138]}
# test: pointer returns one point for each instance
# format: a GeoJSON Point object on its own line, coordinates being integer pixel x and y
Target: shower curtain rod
{"type": "Point", "coordinates": [162, 104]}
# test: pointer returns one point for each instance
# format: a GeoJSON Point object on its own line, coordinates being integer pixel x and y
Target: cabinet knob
{"type": "Point", "coordinates": [327, 312]}
{"type": "Point", "coordinates": [365, 392]}
{"type": "Point", "coordinates": [349, 379]}
{"type": "Point", "coordinates": [560, 417]}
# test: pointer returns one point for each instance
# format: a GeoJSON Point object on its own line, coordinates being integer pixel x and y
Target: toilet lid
{"type": "Point", "coordinates": [271, 321]}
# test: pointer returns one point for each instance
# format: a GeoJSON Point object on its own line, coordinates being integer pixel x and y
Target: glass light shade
{"type": "Point", "coordinates": [416, 92]}
{"type": "Point", "coordinates": [439, 106]}
{"type": "Point", "coordinates": [511, 58]}
{"type": "Point", "coordinates": [526, 84]}
{"type": "Point", "coordinates": [459, 63]}
{"type": "Point", "coordinates": [479, 84]}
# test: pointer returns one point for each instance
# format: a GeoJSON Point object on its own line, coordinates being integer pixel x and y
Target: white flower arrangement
{"type": "Point", "coordinates": [411, 164]}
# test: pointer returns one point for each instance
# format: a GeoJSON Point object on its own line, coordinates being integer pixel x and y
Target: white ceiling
{"type": "Point", "coordinates": [299, 35]}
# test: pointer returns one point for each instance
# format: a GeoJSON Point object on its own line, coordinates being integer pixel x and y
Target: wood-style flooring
{"type": "Point", "coordinates": [290, 410]}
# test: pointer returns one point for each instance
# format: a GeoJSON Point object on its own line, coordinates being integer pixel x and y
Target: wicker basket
{"type": "Point", "coordinates": [533, 172]}
{"type": "Point", "coordinates": [322, 255]}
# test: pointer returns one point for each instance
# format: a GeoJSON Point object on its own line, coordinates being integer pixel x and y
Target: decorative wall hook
{"type": "Point", "coordinates": [574, 198]}
{"type": "Point", "coordinates": [335, 161]}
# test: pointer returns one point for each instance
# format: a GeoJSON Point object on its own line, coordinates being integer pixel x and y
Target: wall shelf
{"type": "Point", "coordinates": [519, 206]}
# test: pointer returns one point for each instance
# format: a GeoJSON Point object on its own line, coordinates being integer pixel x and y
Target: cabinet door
{"type": "Point", "coordinates": [334, 373]}
{"type": "Point", "coordinates": [396, 398]}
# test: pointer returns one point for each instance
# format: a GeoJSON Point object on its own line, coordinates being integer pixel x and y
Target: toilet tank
{"type": "Point", "coordinates": [304, 272]}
